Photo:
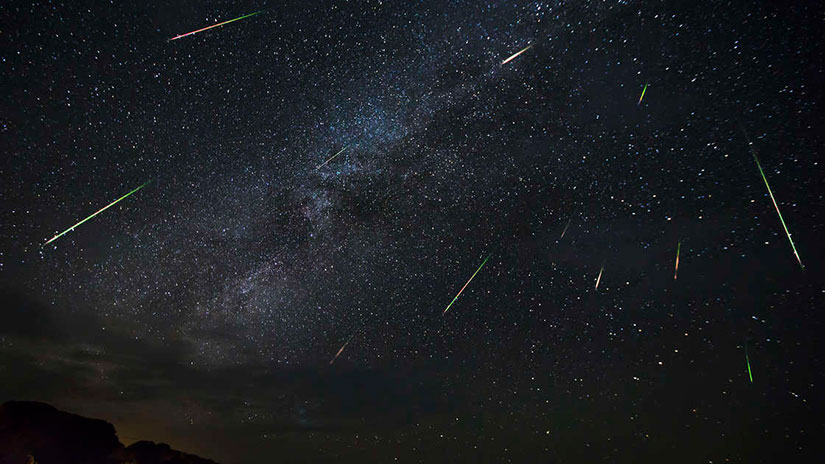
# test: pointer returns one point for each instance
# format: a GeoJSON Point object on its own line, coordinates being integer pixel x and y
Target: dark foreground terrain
{"type": "Point", "coordinates": [37, 432]}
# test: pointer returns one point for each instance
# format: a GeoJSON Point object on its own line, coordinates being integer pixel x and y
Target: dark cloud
{"type": "Point", "coordinates": [52, 355]}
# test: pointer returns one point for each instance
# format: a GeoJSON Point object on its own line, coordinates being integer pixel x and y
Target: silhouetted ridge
{"type": "Point", "coordinates": [31, 431]}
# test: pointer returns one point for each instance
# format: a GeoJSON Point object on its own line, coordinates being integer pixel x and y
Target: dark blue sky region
{"type": "Point", "coordinates": [204, 310]}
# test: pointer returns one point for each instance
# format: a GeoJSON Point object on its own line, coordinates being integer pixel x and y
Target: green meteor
{"type": "Point", "coordinates": [465, 285]}
{"type": "Point", "coordinates": [793, 247]}
{"type": "Point", "coordinates": [770, 192]}
{"type": "Point", "coordinates": [748, 361]}
{"type": "Point", "coordinates": [643, 94]}
{"type": "Point", "coordinates": [95, 214]}
{"type": "Point", "coordinates": [215, 25]}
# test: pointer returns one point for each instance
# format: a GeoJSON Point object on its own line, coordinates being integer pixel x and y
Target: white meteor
{"type": "Point", "coordinates": [330, 159]}
{"type": "Point", "coordinates": [517, 54]}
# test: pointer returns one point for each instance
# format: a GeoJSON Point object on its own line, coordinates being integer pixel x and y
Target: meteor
{"type": "Point", "coordinates": [565, 228]}
{"type": "Point", "coordinates": [643, 95]}
{"type": "Point", "coordinates": [341, 350]}
{"type": "Point", "coordinates": [748, 362]}
{"type": "Point", "coordinates": [465, 285]}
{"type": "Point", "coordinates": [676, 272]}
{"type": "Point", "coordinates": [95, 214]}
{"type": "Point", "coordinates": [599, 278]}
{"type": "Point", "coordinates": [215, 25]}
{"type": "Point", "coordinates": [770, 192]}
{"type": "Point", "coordinates": [331, 158]}
{"type": "Point", "coordinates": [517, 54]}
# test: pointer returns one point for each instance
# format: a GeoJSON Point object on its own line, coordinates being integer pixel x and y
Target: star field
{"type": "Point", "coordinates": [204, 310]}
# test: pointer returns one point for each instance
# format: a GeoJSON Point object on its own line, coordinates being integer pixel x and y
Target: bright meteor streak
{"type": "Point", "coordinates": [341, 350]}
{"type": "Point", "coordinates": [517, 54]}
{"type": "Point", "coordinates": [330, 159]}
{"type": "Point", "coordinates": [565, 229]}
{"type": "Point", "coordinates": [676, 272]}
{"type": "Point", "coordinates": [748, 362]}
{"type": "Point", "coordinates": [215, 25]}
{"type": "Point", "coordinates": [770, 192]}
{"type": "Point", "coordinates": [95, 214]}
{"type": "Point", "coordinates": [599, 278]}
{"type": "Point", "coordinates": [643, 95]}
{"type": "Point", "coordinates": [465, 285]}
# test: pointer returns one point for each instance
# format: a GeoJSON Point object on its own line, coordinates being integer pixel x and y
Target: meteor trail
{"type": "Point", "coordinates": [599, 278]}
{"type": "Point", "coordinates": [215, 25]}
{"type": "Point", "coordinates": [341, 350]}
{"type": "Point", "coordinates": [748, 361]}
{"type": "Point", "coordinates": [770, 192]}
{"type": "Point", "coordinates": [565, 228]}
{"type": "Point", "coordinates": [95, 214]}
{"type": "Point", "coordinates": [643, 95]}
{"type": "Point", "coordinates": [517, 54]}
{"type": "Point", "coordinates": [676, 272]}
{"type": "Point", "coordinates": [465, 285]}
{"type": "Point", "coordinates": [327, 161]}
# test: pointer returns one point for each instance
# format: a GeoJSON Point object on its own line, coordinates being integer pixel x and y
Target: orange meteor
{"type": "Point", "coordinates": [676, 272]}
{"type": "Point", "coordinates": [341, 350]}
{"type": "Point", "coordinates": [565, 228]}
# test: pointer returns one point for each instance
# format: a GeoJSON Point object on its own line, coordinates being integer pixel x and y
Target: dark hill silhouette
{"type": "Point", "coordinates": [37, 432]}
{"type": "Point", "coordinates": [146, 452]}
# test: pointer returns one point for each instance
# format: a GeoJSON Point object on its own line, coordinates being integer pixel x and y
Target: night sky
{"type": "Point", "coordinates": [204, 310]}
